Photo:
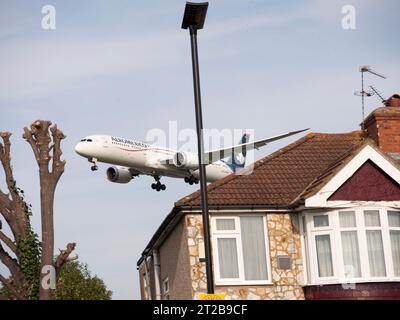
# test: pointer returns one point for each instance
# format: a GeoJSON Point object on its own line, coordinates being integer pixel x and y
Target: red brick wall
{"type": "Point", "coordinates": [383, 126]}
{"type": "Point", "coordinates": [368, 183]}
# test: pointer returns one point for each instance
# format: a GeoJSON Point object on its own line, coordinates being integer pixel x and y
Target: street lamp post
{"type": "Point", "coordinates": [193, 19]}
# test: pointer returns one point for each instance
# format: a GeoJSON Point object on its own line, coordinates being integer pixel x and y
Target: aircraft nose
{"type": "Point", "coordinates": [79, 149]}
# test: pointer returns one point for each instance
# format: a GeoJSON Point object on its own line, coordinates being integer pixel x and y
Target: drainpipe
{"type": "Point", "coordinates": [157, 274]}
{"type": "Point", "coordinates": [147, 276]}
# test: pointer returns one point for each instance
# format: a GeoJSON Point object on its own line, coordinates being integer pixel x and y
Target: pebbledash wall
{"type": "Point", "coordinates": [283, 239]}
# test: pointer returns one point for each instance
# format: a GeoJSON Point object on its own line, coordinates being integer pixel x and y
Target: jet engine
{"type": "Point", "coordinates": [119, 175]}
{"type": "Point", "coordinates": [186, 160]}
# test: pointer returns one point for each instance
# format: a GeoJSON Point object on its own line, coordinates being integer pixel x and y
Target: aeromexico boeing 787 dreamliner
{"type": "Point", "coordinates": [131, 158]}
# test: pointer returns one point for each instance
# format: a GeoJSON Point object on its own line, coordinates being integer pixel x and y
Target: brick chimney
{"type": "Point", "coordinates": [383, 126]}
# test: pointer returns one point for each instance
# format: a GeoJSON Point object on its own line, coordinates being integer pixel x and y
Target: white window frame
{"type": "Point", "coordinates": [334, 230]}
{"type": "Point", "coordinates": [216, 234]}
{"type": "Point", "coordinates": [361, 241]}
{"type": "Point", "coordinates": [320, 231]}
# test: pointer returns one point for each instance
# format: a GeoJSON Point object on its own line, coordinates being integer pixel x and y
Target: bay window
{"type": "Point", "coordinates": [240, 249]}
{"type": "Point", "coordinates": [355, 245]}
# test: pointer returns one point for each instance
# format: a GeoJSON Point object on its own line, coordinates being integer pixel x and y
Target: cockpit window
{"type": "Point", "coordinates": [83, 140]}
{"type": "Point", "coordinates": [89, 140]}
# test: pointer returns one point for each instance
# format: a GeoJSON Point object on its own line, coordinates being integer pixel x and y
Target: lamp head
{"type": "Point", "coordinates": [195, 15]}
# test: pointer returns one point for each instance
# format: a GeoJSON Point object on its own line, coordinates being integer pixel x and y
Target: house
{"type": "Point", "coordinates": [317, 219]}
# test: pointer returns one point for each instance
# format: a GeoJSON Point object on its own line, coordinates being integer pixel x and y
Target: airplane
{"type": "Point", "coordinates": [131, 158]}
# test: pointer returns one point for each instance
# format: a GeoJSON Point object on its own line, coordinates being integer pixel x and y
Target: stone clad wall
{"type": "Point", "coordinates": [283, 240]}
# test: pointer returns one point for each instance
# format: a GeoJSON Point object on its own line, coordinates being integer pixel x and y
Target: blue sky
{"type": "Point", "coordinates": [123, 68]}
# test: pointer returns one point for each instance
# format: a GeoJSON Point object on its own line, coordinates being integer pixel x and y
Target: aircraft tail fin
{"type": "Point", "coordinates": [238, 160]}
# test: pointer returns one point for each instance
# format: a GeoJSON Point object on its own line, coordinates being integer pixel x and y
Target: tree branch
{"type": "Point", "coordinates": [8, 242]}
{"type": "Point", "coordinates": [58, 165]}
{"type": "Point", "coordinates": [5, 212]}
{"type": "Point", "coordinates": [40, 136]}
{"type": "Point", "coordinates": [5, 199]}
{"type": "Point", "coordinates": [63, 257]}
{"type": "Point", "coordinates": [13, 207]}
{"type": "Point", "coordinates": [5, 159]}
{"type": "Point", "coordinates": [33, 143]}
{"type": "Point", "coordinates": [11, 288]}
{"type": "Point", "coordinates": [12, 266]}
{"type": "Point", "coordinates": [18, 229]}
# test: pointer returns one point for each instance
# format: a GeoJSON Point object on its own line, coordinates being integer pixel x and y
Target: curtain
{"type": "Point", "coordinates": [253, 243]}
{"type": "Point", "coordinates": [225, 224]}
{"type": "Point", "coordinates": [394, 219]}
{"type": "Point", "coordinates": [371, 218]}
{"type": "Point", "coordinates": [395, 242]}
{"type": "Point", "coordinates": [321, 221]}
{"type": "Point", "coordinates": [347, 219]}
{"type": "Point", "coordinates": [227, 257]}
{"type": "Point", "coordinates": [351, 256]}
{"type": "Point", "coordinates": [324, 255]}
{"type": "Point", "coordinates": [375, 253]}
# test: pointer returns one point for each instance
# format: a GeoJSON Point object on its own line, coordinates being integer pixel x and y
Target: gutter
{"type": "Point", "coordinates": [242, 207]}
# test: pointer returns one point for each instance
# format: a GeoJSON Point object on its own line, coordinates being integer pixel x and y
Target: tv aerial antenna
{"type": "Point", "coordinates": [363, 93]}
{"type": "Point", "coordinates": [378, 94]}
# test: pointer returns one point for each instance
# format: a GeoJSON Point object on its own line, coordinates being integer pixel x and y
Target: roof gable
{"type": "Point", "coordinates": [366, 160]}
{"type": "Point", "coordinates": [368, 183]}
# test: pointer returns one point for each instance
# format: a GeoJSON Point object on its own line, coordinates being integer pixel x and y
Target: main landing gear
{"type": "Point", "coordinates": [94, 167]}
{"type": "Point", "coordinates": [158, 185]}
{"type": "Point", "coordinates": [191, 180]}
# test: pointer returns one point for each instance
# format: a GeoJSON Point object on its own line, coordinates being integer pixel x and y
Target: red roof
{"type": "Point", "coordinates": [279, 179]}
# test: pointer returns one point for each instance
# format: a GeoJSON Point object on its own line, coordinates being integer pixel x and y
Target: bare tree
{"type": "Point", "coordinates": [45, 141]}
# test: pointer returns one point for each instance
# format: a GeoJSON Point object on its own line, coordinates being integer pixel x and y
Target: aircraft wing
{"type": "Point", "coordinates": [218, 154]}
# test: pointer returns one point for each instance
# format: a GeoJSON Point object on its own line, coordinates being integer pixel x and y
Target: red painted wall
{"type": "Point", "coordinates": [357, 291]}
{"type": "Point", "coordinates": [368, 183]}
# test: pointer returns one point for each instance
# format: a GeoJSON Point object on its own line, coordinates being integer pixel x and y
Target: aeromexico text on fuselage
{"type": "Point", "coordinates": [157, 162]}
{"type": "Point", "coordinates": [131, 142]}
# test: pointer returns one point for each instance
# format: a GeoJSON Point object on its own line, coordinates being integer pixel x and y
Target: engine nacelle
{"type": "Point", "coordinates": [119, 175]}
{"type": "Point", "coordinates": [186, 160]}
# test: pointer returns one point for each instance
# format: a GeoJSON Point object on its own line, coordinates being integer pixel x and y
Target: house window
{"type": "Point", "coordinates": [321, 221]}
{"type": "Point", "coordinates": [324, 255]}
{"type": "Point", "coordinates": [165, 288]}
{"type": "Point", "coordinates": [394, 230]}
{"type": "Point", "coordinates": [359, 245]}
{"type": "Point", "coordinates": [376, 256]}
{"type": "Point", "coordinates": [349, 242]}
{"type": "Point", "coordinates": [322, 244]}
{"type": "Point", "coordinates": [240, 250]}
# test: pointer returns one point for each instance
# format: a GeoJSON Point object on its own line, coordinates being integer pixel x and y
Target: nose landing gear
{"type": "Point", "coordinates": [94, 167]}
{"type": "Point", "coordinates": [158, 185]}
